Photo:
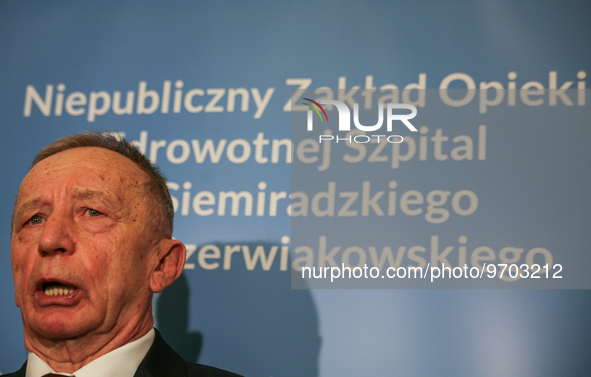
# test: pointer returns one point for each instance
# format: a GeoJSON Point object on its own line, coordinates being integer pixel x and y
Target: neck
{"type": "Point", "coordinates": [69, 355]}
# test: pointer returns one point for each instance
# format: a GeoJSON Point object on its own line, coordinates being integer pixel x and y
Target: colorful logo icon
{"type": "Point", "coordinates": [315, 109]}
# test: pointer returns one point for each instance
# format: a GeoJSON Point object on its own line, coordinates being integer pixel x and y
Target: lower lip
{"type": "Point", "coordinates": [62, 300]}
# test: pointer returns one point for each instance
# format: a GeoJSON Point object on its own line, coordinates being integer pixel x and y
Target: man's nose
{"type": "Point", "coordinates": [56, 237]}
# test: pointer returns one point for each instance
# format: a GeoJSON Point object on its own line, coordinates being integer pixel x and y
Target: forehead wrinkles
{"type": "Point", "coordinates": [89, 166]}
{"type": "Point", "coordinates": [99, 175]}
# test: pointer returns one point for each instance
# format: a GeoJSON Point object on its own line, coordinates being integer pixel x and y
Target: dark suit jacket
{"type": "Point", "coordinates": [162, 361]}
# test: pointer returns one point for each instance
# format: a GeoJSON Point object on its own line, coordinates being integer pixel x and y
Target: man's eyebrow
{"type": "Point", "coordinates": [19, 209]}
{"type": "Point", "coordinates": [100, 196]}
{"type": "Point", "coordinates": [79, 192]}
{"type": "Point", "coordinates": [86, 193]}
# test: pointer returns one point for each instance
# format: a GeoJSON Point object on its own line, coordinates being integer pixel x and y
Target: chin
{"type": "Point", "coordinates": [58, 326]}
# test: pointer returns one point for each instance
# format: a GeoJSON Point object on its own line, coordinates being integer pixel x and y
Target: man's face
{"type": "Point", "coordinates": [81, 249]}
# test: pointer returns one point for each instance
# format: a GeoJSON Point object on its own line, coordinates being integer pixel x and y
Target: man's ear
{"type": "Point", "coordinates": [171, 254]}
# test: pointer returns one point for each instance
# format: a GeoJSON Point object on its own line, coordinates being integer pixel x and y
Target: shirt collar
{"type": "Point", "coordinates": [122, 362]}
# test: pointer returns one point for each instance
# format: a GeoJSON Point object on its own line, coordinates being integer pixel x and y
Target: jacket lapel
{"type": "Point", "coordinates": [161, 360]}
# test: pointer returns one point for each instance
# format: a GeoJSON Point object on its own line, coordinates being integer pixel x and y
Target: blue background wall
{"type": "Point", "coordinates": [251, 321]}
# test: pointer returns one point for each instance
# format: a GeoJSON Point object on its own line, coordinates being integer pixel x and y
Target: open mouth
{"type": "Point", "coordinates": [52, 288]}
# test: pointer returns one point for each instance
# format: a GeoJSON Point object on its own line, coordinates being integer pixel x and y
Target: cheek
{"type": "Point", "coordinates": [112, 255]}
{"type": "Point", "coordinates": [18, 258]}
{"type": "Point", "coordinates": [119, 261]}
{"type": "Point", "coordinates": [22, 259]}
{"type": "Point", "coordinates": [16, 275]}
{"type": "Point", "coordinates": [27, 233]}
{"type": "Point", "coordinates": [19, 267]}
{"type": "Point", "coordinates": [95, 225]}
{"type": "Point", "coordinates": [16, 270]}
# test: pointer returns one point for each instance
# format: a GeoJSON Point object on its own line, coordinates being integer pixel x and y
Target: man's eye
{"type": "Point", "coordinates": [35, 220]}
{"type": "Point", "coordinates": [94, 212]}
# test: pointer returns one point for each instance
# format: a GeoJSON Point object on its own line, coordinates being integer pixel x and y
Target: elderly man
{"type": "Point", "coordinates": [91, 243]}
